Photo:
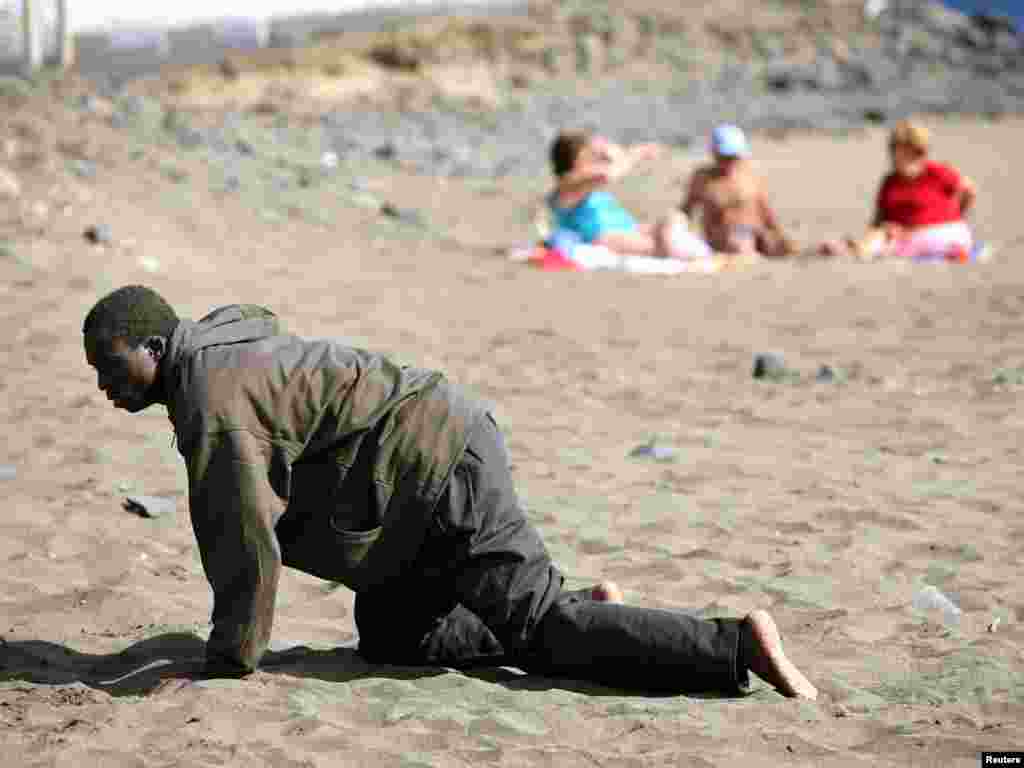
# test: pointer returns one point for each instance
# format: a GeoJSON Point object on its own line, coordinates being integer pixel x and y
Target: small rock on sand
{"type": "Point", "coordinates": [656, 451]}
{"type": "Point", "coordinates": [8, 472]}
{"type": "Point", "coordinates": [405, 215]}
{"type": "Point", "coordinates": [827, 374]}
{"type": "Point", "coordinates": [150, 506]}
{"type": "Point", "coordinates": [769, 365]}
{"type": "Point", "coordinates": [98, 234]}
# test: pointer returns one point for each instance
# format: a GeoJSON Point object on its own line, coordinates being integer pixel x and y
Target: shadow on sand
{"type": "Point", "coordinates": [142, 667]}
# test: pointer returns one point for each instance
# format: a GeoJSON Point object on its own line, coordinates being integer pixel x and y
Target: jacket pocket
{"type": "Point", "coordinates": [352, 546]}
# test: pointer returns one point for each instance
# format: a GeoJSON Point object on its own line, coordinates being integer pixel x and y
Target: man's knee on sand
{"type": "Point", "coordinates": [391, 631]}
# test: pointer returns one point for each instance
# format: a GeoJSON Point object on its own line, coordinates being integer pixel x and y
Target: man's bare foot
{"type": "Point", "coordinates": [761, 649]}
{"type": "Point", "coordinates": [607, 592]}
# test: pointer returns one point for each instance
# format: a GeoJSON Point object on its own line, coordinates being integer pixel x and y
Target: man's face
{"type": "Point", "coordinates": [125, 374]}
{"type": "Point", "coordinates": [727, 163]}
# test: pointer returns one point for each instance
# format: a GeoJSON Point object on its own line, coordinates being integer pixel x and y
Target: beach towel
{"type": "Point", "coordinates": [557, 256]}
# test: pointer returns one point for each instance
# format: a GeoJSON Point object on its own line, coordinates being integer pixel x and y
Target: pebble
{"type": "Point", "coordinates": [405, 215]}
{"type": "Point", "coordinates": [84, 169]}
{"type": "Point", "coordinates": [826, 374]}
{"type": "Point", "coordinates": [150, 506]}
{"type": "Point", "coordinates": [99, 234]}
{"type": "Point", "coordinates": [769, 365]}
{"type": "Point", "coordinates": [656, 451]}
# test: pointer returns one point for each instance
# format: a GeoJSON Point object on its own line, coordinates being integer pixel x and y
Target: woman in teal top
{"type": "Point", "coordinates": [583, 165]}
{"type": "Point", "coordinates": [595, 215]}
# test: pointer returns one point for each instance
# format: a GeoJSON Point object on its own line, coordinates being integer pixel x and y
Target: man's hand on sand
{"type": "Point", "coordinates": [171, 685]}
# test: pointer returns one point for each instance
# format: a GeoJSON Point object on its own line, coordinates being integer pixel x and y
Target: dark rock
{"type": "Point", "coordinates": [150, 506]}
{"type": "Point", "coordinates": [826, 374]}
{"type": "Point", "coordinates": [393, 56]}
{"type": "Point", "coordinates": [769, 366]}
{"type": "Point", "coordinates": [83, 169]}
{"type": "Point", "coordinates": [974, 38]}
{"type": "Point", "coordinates": [786, 76]}
{"type": "Point", "coordinates": [656, 451]}
{"type": "Point", "coordinates": [405, 215]}
{"type": "Point", "coordinates": [229, 69]}
{"type": "Point", "coordinates": [98, 234]}
{"type": "Point", "coordinates": [993, 24]}
{"type": "Point", "coordinates": [386, 151]}
{"type": "Point", "coordinates": [871, 70]}
{"type": "Point", "coordinates": [874, 115]}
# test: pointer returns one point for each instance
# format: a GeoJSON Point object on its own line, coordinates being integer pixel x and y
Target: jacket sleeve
{"type": "Point", "coordinates": [234, 508]}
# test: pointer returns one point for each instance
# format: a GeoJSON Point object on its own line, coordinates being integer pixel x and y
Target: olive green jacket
{"type": "Point", "coordinates": [270, 426]}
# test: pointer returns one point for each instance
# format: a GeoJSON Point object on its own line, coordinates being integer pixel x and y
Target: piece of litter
{"type": "Point", "coordinates": [150, 506]}
{"type": "Point", "coordinates": [329, 161]}
{"type": "Point", "coordinates": [8, 472]}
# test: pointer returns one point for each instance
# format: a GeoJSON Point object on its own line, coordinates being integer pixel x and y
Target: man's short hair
{"type": "Point", "coordinates": [133, 313]}
{"type": "Point", "coordinates": [566, 149]}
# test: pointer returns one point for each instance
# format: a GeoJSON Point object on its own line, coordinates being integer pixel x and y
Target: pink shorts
{"type": "Point", "coordinates": [939, 242]}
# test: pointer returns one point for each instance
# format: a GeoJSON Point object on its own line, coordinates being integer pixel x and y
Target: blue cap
{"type": "Point", "coordinates": [729, 141]}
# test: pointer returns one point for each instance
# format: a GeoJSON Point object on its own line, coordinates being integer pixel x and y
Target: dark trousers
{"type": "Point", "coordinates": [485, 592]}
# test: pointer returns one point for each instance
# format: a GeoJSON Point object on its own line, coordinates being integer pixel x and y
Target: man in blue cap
{"type": "Point", "coordinates": [733, 202]}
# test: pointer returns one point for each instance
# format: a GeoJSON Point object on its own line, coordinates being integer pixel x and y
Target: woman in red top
{"type": "Point", "coordinates": [919, 213]}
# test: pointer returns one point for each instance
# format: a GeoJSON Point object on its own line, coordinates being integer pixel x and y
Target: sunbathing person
{"type": "Point", "coordinates": [733, 202]}
{"type": "Point", "coordinates": [919, 212]}
{"type": "Point", "coordinates": [584, 164]}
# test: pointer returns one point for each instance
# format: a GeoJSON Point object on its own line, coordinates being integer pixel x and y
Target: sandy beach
{"type": "Point", "coordinates": [831, 503]}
